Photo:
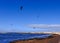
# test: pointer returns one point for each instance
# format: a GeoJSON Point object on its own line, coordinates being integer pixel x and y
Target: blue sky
{"type": "Point", "coordinates": [34, 12]}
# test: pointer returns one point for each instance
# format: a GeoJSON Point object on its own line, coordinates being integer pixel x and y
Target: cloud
{"type": "Point", "coordinates": [44, 25]}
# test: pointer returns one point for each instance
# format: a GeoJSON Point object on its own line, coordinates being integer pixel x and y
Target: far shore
{"type": "Point", "coordinates": [34, 32]}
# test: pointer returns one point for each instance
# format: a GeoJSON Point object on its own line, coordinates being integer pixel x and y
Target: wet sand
{"type": "Point", "coordinates": [55, 38]}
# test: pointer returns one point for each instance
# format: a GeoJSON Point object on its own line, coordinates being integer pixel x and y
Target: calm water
{"type": "Point", "coordinates": [6, 38]}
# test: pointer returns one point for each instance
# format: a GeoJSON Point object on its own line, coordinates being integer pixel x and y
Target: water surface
{"type": "Point", "coordinates": [6, 38]}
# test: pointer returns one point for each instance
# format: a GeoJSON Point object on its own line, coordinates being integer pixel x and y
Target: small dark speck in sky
{"type": "Point", "coordinates": [21, 7]}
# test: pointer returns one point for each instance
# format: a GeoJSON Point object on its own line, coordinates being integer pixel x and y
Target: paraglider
{"type": "Point", "coordinates": [20, 4]}
{"type": "Point", "coordinates": [21, 7]}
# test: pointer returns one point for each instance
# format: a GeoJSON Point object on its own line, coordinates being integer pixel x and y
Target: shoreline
{"type": "Point", "coordinates": [54, 39]}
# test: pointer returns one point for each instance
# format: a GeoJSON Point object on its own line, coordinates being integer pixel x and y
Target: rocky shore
{"type": "Point", "coordinates": [55, 38]}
